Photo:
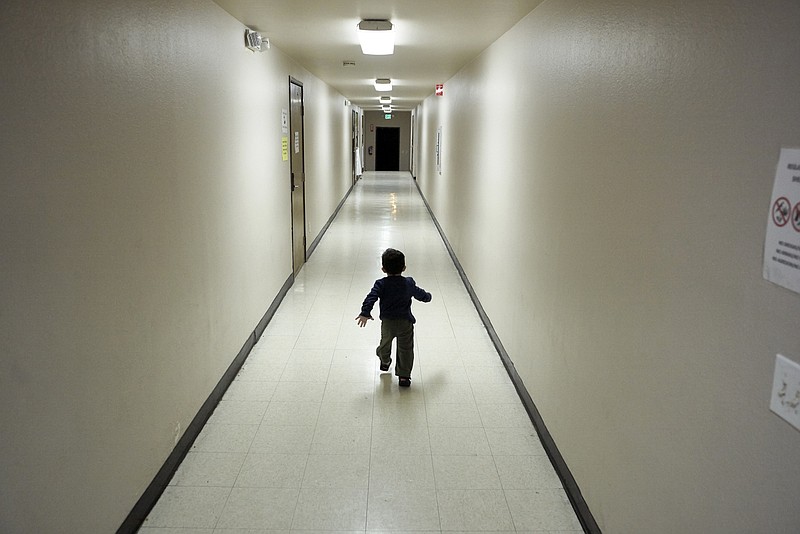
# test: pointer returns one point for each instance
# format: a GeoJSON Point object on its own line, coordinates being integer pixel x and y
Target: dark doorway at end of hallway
{"type": "Point", "coordinates": [387, 149]}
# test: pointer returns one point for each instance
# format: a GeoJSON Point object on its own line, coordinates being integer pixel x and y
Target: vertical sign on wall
{"type": "Point", "coordinates": [285, 148]}
{"type": "Point", "coordinates": [439, 150]}
{"type": "Point", "coordinates": [439, 89]}
{"type": "Point", "coordinates": [284, 131]}
{"type": "Point", "coordinates": [782, 244]}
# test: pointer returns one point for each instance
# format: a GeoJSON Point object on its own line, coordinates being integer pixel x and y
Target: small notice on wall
{"type": "Point", "coordinates": [285, 148]}
{"type": "Point", "coordinates": [782, 245]}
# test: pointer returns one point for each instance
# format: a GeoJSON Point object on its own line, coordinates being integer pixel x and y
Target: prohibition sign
{"type": "Point", "coordinates": [796, 217]}
{"type": "Point", "coordinates": [780, 211]}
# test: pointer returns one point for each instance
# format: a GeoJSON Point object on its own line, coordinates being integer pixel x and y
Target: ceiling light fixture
{"type": "Point", "coordinates": [383, 84]}
{"type": "Point", "coordinates": [386, 100]}
{"type": "Point", "coordinates": [376, 37]}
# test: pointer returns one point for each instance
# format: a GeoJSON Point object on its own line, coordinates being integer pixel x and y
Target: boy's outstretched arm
{"type": "Point", "coordinates": [369, 302]}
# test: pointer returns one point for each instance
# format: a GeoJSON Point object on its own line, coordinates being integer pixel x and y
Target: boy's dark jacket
{"type": "Point", "coordinates": [395, 294]}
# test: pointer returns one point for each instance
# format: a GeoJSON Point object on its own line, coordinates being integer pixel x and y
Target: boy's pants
{"type": "Point", "coordinates": [403, 330]}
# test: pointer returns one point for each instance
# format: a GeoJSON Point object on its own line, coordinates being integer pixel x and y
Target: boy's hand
{"type": "Point", "coordinates": [362, 320]}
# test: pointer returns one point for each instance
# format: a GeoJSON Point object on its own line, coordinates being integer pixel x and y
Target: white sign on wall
{"type": "Point", "coordinates": [438, 149]}
{"type": "Point", "coordinates": [782, 244]}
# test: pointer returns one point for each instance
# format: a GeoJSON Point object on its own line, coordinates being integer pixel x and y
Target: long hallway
{"type": "Point", "coordinates": [312, 436]}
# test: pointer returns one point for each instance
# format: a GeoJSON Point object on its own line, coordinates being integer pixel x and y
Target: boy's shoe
{"type": "Point", "coordinates": [385, 366]}
{"type": "Point", "coordinates": [404, 382]}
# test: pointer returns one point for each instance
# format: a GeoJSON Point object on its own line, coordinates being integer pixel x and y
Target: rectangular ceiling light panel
{"type": "Point", "coordinates": [383, 84]}
{"type": "Point", "coordinates": [376, 37]}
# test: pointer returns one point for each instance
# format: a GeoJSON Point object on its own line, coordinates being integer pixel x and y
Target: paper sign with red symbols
{"type": "Point", "coordinates": [782, 243]}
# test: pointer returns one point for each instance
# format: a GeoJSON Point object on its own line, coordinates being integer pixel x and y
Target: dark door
{"type": "Point", "coordinates": [387, 149]}
{"type": "Point", "coordinates": [298, 175]}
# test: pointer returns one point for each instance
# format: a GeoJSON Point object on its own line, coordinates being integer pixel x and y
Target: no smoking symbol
{"type": "Point", "coordinates": [796, 217]}
{"type": "Point", "coordinates": [781, 210]}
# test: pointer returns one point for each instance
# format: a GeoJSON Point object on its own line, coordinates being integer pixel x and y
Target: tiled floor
{"type": "Point", "coordinates": [312, 436]}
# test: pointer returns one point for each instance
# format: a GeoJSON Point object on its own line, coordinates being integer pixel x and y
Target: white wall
{"type": "Point", "coordinates": [329, 173]}
{"type": "Point", "coordinates": [145, 231]}
{"type": "Point", "coordinates": [606, 183]}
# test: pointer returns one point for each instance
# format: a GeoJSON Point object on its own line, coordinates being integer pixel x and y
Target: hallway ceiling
{"type": "Point", "coordinates": [434, 39]}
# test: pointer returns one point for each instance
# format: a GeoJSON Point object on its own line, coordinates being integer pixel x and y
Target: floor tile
{"type": "Point", "coordinates": [270, 470]}
{"type": "Point", "coordinates": [331, 509]}
{"type": "Point", "coordinates": [282, 439]}
{"type": "Point", "coordinates": [357, 413]}
{"type": "Point", "coordinates": [399, 414]}
{"type": "Point", "coordinates": [487, 374]}
{"type": "Point", "coordinates": [453, 415]}
{"type": "Point", "coordinates": [337, 471]}
{"type": "Point", "coordinates": [403, 510]}
{"type": "Point", "coordinates": [348, 391]}
{"type": "Point", "coordinates": [436, 373]}
{"type": "Point", "coordinates": [292, 413]}
{"type": "Point", "coordinates": [305, 372]}
{"type": "Point", "coordinates": [527, 472]}
{"type": "Point", "coordinates": [261, 371]}
{"type": "Point", "coordinates": [187, 507]}
{"type": "Point", "coordinates": [208, 469]}
{"type": "Point", "coordinates": [541, 510]}
{"type": "Point", "coordinates": [465, 472]}
{"type": "Point", "coordinates": [241, 390]}
{"type": "Point", "coordinates": [495, 394]}
{"type": "Point", "coordinates": [275, 343]}
{"type": "Point", "coordinates": [401, 472]}
{"type": "Point", "coordinates": [225, 438]}
{"type": "Point", "coordinates": [335, 439]}
{"type": "Point", "coordinates": [259, 508]}
{"type": "Point", "coordinates": [448, 393]}
{"type": "Point", "coordinates": [390, 440]}
{"type": "Point", "coordinates": [476, 510]}
{"type": "Point", "coordinates": [363, 371]}
{"type": "Point", "coordinates": [238, 412]}
{"type": "Point", "coordinates": [504, 415]}
{"type": "Point", "coordinates": [165, 530]}
{"type": "Point", "coordinates": [514, 441]}
{"type": "Point", "coordinates": [298, 392]}
{"type": "Point", "coordinates": [460, 441]}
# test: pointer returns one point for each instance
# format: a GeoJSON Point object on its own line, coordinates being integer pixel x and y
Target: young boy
{"type": "Point", "coordinates": [395, 292]}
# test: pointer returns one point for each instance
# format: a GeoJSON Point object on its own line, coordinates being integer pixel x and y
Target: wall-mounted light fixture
{"type": "Point", "coordinates": [376, 37]}
{"type": "Point", "coordinates": [386, 100]}
{"type": "Point", "coordinates": [383, 84]}
{"type": "Point", "coordinates": [253, 41]}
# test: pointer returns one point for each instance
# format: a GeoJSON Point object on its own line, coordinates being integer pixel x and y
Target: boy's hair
{"type": "Point", "coordinates": [393, 261]}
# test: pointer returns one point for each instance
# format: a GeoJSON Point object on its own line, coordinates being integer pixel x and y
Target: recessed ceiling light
{"type": "Point", "coordinates": [386, 100]}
